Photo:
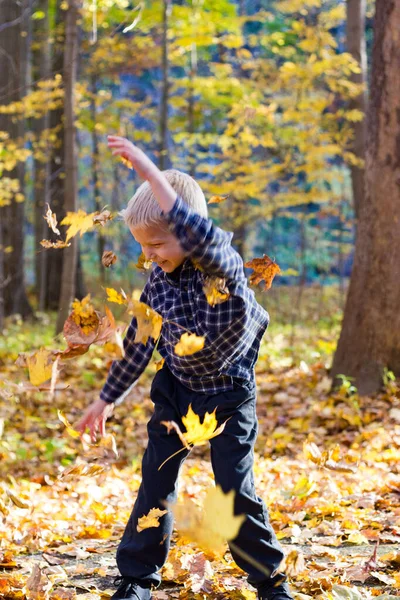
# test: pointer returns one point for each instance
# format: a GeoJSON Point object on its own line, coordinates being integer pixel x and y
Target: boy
{"type": "Point", "coordinates": [168, 217]}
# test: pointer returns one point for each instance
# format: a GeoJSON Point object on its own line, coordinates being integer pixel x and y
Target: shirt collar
{"type": "Point", "coordinates": [179, 273]}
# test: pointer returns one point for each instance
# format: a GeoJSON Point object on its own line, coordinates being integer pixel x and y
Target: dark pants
{"type": "Point", "coordinates": [142, 554]}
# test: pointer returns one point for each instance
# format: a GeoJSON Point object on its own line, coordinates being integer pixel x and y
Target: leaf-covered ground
{"type": "Point", "coordinates": [327, 465]}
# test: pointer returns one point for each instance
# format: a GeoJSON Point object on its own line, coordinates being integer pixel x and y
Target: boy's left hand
{"type": "Point", "coordinates": [142, 164]}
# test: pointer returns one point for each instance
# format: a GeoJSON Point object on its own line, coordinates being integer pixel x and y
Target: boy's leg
{"type": "Point", "coordinates": [232, 457]}
{"type": "Point", "coordinates": [142, 554]}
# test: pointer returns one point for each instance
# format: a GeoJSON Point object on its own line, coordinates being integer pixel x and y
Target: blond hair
{"type": "Point", "coordinates": [143, 209]}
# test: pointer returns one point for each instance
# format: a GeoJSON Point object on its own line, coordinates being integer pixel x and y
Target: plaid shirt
{"type": "Point", "coordinates": [232, 329]}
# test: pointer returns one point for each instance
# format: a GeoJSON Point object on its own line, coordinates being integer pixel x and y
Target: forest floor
{"type": "Point", "coordinates": [326, 464]}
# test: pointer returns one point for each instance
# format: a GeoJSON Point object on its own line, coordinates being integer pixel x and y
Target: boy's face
{"type": "Point", "coordinates": [160, 246]}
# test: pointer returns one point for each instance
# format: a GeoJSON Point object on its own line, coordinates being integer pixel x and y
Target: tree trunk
{"type": "Point", "coordinates": [370, 337]}
{"type": "Point", "coordinates": [163, 149]}
{"type": "Point", "coordinates": [70, 159]}
{"type": "Point", "coordinates": [95, 178]}
{"type": "Point", "coordinates": [42, 63]}
{"type": "Point", "coordinates": [13, 76]}
{"type": "Point", "coordinates": [357, 47]}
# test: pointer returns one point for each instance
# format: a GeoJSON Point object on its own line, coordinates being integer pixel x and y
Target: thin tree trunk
{"type": "Point", "coordinates": [71, 163]}
{"type": "Point", "coordinates": [356, 45]}
{"type": "Point", "coordinates": [163, 148]}
{"type": "Point", "coordinates": [42, 169]}
{"type": "Point", "coordinates": [370, 336]}
{"type": "Point", "coordinates": [13, 76]}
{"type": "Point", "coordinates": [95, 178]}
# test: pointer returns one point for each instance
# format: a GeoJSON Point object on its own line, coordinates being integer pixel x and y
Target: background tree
{"type": "Point", "coordinates": [356, 45]}
{"type": "Point", "coordinates": [370, 340]}
{"type": "Point", "coordinates": [71, 166]}
{"type": "Point", "coordinates": [13, 81]}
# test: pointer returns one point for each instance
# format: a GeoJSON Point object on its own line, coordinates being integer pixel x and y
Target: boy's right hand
{"type": "Point", "coordinates": [95, 418]}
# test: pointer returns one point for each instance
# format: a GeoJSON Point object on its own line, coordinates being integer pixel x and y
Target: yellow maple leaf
{"type": "Point", "coordinates": [72, 432]}
{"type": "Point", "coordinates": [151, 519]}
{"type": "Point", "coordinates": [114, 296]}
{"type": "Point", "coordinates": [142, 263]}
{"type": "Point", "coordinates": [149, 322]}
{"type": "Point", "coordinates": [215, 290]}
{"type": "Point", "coordinates": [217, 199]}
{"type": "Point", "coordinates": [189, 344]}
{"type": "Point", "coordinates": [196, 433]}
{"type": "Point", "coordinates": [40, 367]}
{"type": "Point", "coordinates": [84, 315]}
{"type": "Point", "coordinates": [79, 222]}
{"type": "Point", "coordinates": [212, 526]}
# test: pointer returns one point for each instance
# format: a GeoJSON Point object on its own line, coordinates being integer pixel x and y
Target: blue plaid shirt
{"type": "Point", "coordinates": [232, 329]}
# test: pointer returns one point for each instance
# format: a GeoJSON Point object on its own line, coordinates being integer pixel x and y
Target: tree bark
{"type": "Point", "coordinates": [95, 177]}
{"type": "Point", "coordinates": [42, 64]}
{"type": "Point", "coordinates": [13, 77]}
{"type": "Point", "coordinates": [70, 159]}
{"type": "Point", "coordinates": [356, 45]}
{"type": "Point", "coordinates": [370, 336]}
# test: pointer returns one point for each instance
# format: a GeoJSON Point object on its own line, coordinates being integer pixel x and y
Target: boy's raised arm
{"type": "Point", "coordinates": [198, 236]}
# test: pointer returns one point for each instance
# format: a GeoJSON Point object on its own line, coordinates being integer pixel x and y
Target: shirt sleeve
{"type": "Point", "coordinates": [201, 239]}
{"type": "Point", "coordinates": [124, 373]}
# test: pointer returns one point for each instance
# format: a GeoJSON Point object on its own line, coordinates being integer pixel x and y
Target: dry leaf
{"type": "Point", "coordinates": [196, 433]}
{"type": "Point", "coordinates": [152, 519]}
{"type": "Point", "coordinates": [149, 322]}
{"type": "Point", "coordinates": [101, 218]}
{"type": "Point", "coordinates": [114, 296]}
{"type": "Point", "coordinates": [51, 219]}
{"type": "Point", "coordinates": [190, 343]}
{"type": "Point", "coordinates": [215, 290]}
{"type": "Point", "coordinates": [79, 222]}
{"type": "Point", "coordinates": [70, 430]}
{"type": "Point", "coordinates": [217, 199]}
{"type": "Point", "coordinates": [142, 263]}
{"type": "Point", "coordinates": [57, 244]}
{"type": "Point", "coordinates": [38, 585]}
{"type": "Point", "coordinates": [108, 258]}
{"type": "Point", "coordinates": [40, 366]}
{"type": "Point", "coordinates": [211, 527]}
{"type": "Point", "coordinates": [264, 269]}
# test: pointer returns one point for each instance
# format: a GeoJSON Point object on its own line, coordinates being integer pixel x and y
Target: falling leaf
{"type": "Point", "coordinates": [190, 343]}
{"type": "Point", "coordinates": [84, 315]}
{"type": "Point", "coordinates": [108, 258]}
{"type": "Point", "coordinates": [196, 433]}
{"type": "Point", "coordinates": [57, 244]}
{"type": "Point", "coordinates": [70, 430]}
{"type": "Point", "coordinates": [79, 222]}
{"type": "Point", "coordinates": [101, 218]}
{"type": "Point", "coordinates": [215, 290]}
{"type": "Point", "coordinates": [151, 519]}
{"type": "Point", "coordinates": [264, 269]}
{"type": "Point", "coordinates": [149, 322]}
{"type": "Point", "coordinates": [114, 296]}
{"type": "Point", "coordinates": [51, 219]}
{"type": "Point", "coordinates": [213, 526]}
{"type": "Point", "coordinates": [40, 367]}
{"type": "Point", "coordinates": [217, 199]}
{"type": "Point", "coordinates": [142, 263]}
{"type": "Point", "coordinates": [126, 162]}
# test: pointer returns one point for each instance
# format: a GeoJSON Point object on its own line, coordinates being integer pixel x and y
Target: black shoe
{"type": "Point", "coordinates": [275, 589]}
{"type": "Point", "coordinates": [131, 589]}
